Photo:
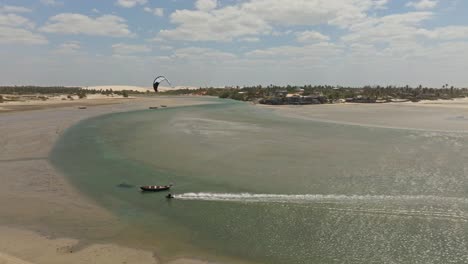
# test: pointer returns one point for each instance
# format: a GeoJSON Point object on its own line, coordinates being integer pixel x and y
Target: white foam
{"type": "Point", "coordinates": [399, 205]}
{"type": "Point", "coordinates": [304, 198]}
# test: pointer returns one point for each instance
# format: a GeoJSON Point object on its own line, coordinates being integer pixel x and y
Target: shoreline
{"type": "Point", "coordinates": [445, 116]}
{"type": "Point", "coordinates": [36, 198]}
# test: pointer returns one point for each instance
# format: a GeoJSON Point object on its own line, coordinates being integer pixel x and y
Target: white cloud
{"type": "Point", "coordinates": [388, 29]}
{"type": "Point", "coordinates": [126, 49]}
{"type": "Point", "coordinates": [311, 36]}
{"type": "Point", "coordinates": [250, 39]}
{"type": "Point", "coordinates": [253, 18]}
{"type": "Point", "coordinates": [447, 33]}
{"type": "Point", "coordinates": [130, 3]}
{"type": "Point", "coordinates": [206, 5]}
{"type": "Point", "coordinates": [14, 9]}
{"type": "Point", "coordinates": [51, 2]}
{"type": "Point", "coordinates": [20, 36]}
{"type": "Point", "coordinates": [220, 25]}
{"type": "Point", "coordinates": [318, 50]}
{"type": "Point", "coordinates": [197, 54]}
{"type": "Point", "coordinates": [95, 10]}
{"type": "Point", "coordinates": [105, 25]}
{"type": "Point", "coordinates": [69, 47]}
{"type": "Point", "coordinates": [13, 20]}
{"type": "Point", "coordinates": [423, 4]}
{"type": "Point", "coordinates": [155, 11]}
{"type": "Point", "coordinates": [18, 29]}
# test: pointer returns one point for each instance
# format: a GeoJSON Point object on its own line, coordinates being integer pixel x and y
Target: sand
{"type": "Point", "coordinates": [60, 101]}
{"type": "Point", "coordinates": [438, 116]}
{"type": "Point", "coordinates": [35, 198]}
{"type": "Point", "coordinates": [142, 89]}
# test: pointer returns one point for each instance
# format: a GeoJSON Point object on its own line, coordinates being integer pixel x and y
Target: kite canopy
{"type": "Point", "coordinates": [159, 80]}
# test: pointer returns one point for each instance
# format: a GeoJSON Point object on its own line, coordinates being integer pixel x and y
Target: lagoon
{"type": "Point", "coordinates": [255, 186]}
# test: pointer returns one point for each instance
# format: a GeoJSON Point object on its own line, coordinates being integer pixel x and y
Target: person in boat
{"type": "Point", "coordinates": [170, 196]}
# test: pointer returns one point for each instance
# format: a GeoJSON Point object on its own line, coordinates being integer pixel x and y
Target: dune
{"type": "Point", "coordinates": [142, 89]}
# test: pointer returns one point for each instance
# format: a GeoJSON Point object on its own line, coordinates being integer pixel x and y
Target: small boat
{"type": "Point", "coordinates": [155, 188]}
{"type": "Point", "coordinates": [163, 105]}
{"type": "Point", "coordinates": [82, 107]}
{"type": "Point", "coordinates": [170, 196]}
{"type": "Point", "coordinates": [153, 107]}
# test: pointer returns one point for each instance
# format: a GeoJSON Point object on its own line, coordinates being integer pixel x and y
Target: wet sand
{"type": "Point", "coordinates": [40, 211]}
{"type": "Point", "coordinates": [442, 115]}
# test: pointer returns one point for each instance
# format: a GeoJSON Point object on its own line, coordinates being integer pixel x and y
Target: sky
{"type": "Point", "coordinates": [234, 42]}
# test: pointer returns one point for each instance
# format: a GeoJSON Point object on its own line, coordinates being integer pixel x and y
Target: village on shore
{"type": "Point", "coordinates": [303, 95]}
{"type": "Point", "coordinates": [270, 95]}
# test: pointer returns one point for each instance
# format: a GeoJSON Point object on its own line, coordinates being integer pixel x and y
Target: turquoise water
{"type": "Point", "coordinates": [254, 186]}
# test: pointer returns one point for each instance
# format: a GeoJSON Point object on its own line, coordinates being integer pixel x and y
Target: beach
{"type": "Point", "coordinates": [439, 115]}
{"type": "Point", "coordinates": [35, 198]}
{"type": "Point", "coordinates": [42, 213]}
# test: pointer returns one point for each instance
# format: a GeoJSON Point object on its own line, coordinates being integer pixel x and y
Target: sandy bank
{"type": "Point", "coordinates": [40, 211]}
{"type": "Point", "coordinates": [441, 115]}
{"type": "Point", "coordinates": [60, 101]}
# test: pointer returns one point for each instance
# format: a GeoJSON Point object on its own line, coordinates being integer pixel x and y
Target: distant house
{"type": "Point", "coordinates": [281, 93]}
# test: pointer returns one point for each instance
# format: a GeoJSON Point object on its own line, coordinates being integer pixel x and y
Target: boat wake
{"type": "Point", "coordinates": [307, 198]}
{"type": "Point", "coordinates": [425, 206]}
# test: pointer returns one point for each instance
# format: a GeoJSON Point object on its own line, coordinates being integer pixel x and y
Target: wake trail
{"type": "Point", "coordinates": [310, 198]}
{"type": "Point", "coordinates": [425, 206]}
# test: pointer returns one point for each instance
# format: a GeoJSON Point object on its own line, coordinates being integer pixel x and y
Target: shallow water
{"type": "Point", "coordinates": [258, 187]}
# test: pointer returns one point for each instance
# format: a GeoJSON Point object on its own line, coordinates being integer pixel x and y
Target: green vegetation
{"type": "Point", "coordinates": [308, 94]}
{"type": "Point", "coordinates": [320, 94]}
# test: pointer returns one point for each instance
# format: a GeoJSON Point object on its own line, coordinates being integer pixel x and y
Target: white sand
{"type": "Point", "coordinates": [441, 115]}
{"type": "Point", "coordinates": [40, 249]}
{"type": "Point", "coordinates": [142, 89]}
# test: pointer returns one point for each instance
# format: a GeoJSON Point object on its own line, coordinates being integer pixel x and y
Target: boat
{"type": "Point", "coordinates": [153, 107]}
{"type": "Point", "coordinates": [82, 107]}
{"type": "Point", "coordinates": [163, 105]}
{"type": "Point", "coordinates": [155, 188]}
{"type": "Point", "coordinates": [170, 196]}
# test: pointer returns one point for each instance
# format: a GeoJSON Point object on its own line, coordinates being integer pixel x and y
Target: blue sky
{"type": "Point", "coordinates": [234, 42]}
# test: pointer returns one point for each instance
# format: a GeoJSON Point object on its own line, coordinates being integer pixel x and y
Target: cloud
{"type": "Point", "coordinates": [250, 39]}
{"type": "Point", "coordinates": [73, 24]}
{"type": "Point", "coordinates": [423, 4]}
{"type": "Point", "coordinates": [13, 20]}
{"type": "Point", "coordinates": [155, 11]}
{"type": "Point", "coordinates": [195, 54]}
{"type": "Point", "coordinates": [130, 3]}
{"type": "Point", "coordinates": [259, 17]}
{"type": "Point", "coordinates": [51, 2]}
{"type": "Point", "coordinates": [69, 47]}
{"type": "Point", "coordinates": [318, 50]}
{"type": "Point", "coordinates": [219, 25]}
{"type": "Point", "coordinates": [14, 9]}
{"type": "Point", "coordinates": [387, 29]}
{"type": "Point", "coordinates": [206, 5]}
{"type": "Point", "coordinates": [126, 49]}
{"type": "Point", "coordinates": [18, 29]}
{"type": "Point", "coordinates": [447, 33]}
{"type": "Point", "coordinates": [11, 35]}
{"type": "Point", "coordinates": [311, 36]}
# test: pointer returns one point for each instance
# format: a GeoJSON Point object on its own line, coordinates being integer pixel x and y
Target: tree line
{"type": "Point", "coordinates": [331, 93]}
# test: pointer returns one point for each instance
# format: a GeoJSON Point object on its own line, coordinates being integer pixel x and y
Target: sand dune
{"type": "Point", "coordinates": [142, 89]}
